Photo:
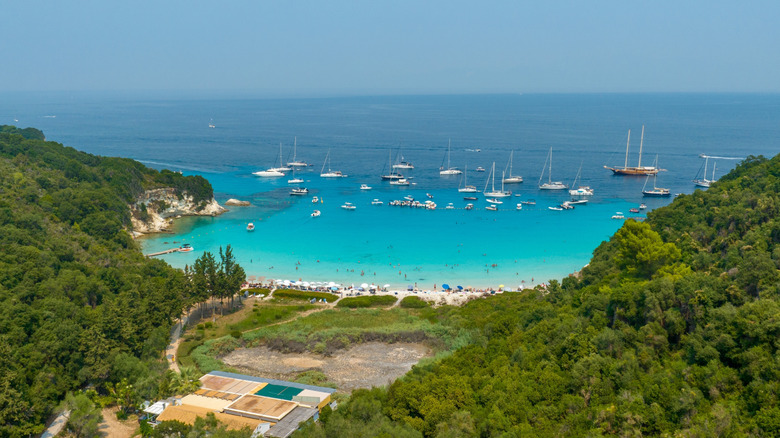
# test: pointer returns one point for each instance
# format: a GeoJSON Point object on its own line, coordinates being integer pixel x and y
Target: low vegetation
{"type": "Point", "coordinates": [412, 302]}
{"type": "Point", "coordinates": [367, 301]}
{"type": "Point", "coordinates": [305, 295]}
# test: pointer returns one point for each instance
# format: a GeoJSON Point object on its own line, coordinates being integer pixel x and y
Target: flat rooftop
{"type": "Point", "coordinates": [261, 407]}
{"type": "Point", "coordinates": [269, 381]}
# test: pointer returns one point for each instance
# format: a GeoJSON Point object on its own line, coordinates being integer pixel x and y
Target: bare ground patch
{"type": "Point", "coordinates": [362, 366]}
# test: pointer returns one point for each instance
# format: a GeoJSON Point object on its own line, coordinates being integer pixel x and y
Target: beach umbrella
{"type": "Point", "coordinates": [286, 282]}
{"type": "Point", "coordinates": [386, 286]}
{"type": "Point", "coordinates": [410, 287]}
{"type": "Point", "coordinates": [373, 286]}
{"type": "Point", "coordinates": [334, 288]}
{"type": "Point", "coordinates": [364, 285]}
{"type": "Point", "coordinates": [460, 287]}
{"type": "Point", "coordinates": [305, 284]}
{"type": "Point", "coordinates": [445, 286]}
{"type": "Point", "coordinates": [500, 286]}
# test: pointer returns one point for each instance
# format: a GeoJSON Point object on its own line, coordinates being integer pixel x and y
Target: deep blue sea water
{"type": "Point", "coordinates": [401, 246]}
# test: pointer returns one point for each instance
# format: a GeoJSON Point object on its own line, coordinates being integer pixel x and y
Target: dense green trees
{"type": "Point", "coordinates": [673, 329]}
{"type": "Point", "coordinates": [79, 304]}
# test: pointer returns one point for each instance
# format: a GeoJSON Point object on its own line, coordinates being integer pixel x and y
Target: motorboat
{"type": "Point", "coordinates": [429, 195]}
{"type": "Point", "coordinates": [491, 208]}
{"type": "Point", "coordinates": [555, 208]}
{"type": "Point", "coordinates": [376, 202]}
{"type": "Point", "coordinates": [494, 201]}
{"type": "Point", "coordinates": [400, 182]}
{"type": "Point", "coordinates": [365, 187]}
{"type": "Point", "coordinates": [250, 227]}
{"type": "Point", "coordinates": [469, 198]}
{"type": "Point", "coordinates": [519, 206]}
{"type": "Point", "coordinates": [186, 248]}
{"type": "Point", "coordinates": [316, 213]}
{"type": "Point", "coordinates": [449, 206]}
{"type": "Point", "coordinates": [268, 173]}
{"type": "Point", "coordinates": [577, 202]}
{"type": "Point", "coordinates": [469, 206]}
{"type": "Point", "coordinates": [348, 206]}
{"type": "Point", "coordinates": [633, 210]}
{"type": "Point", "coordinates": [409, 198]}
{"type": "Point", "coordinates": [528, 202]}
{"type": "Point", "coordinates": [299, 191]}
{"type": "Point", "coordinates": [315, 200]}
{"type": "Point", "coordinates": [642, 206]}
{"type": "Point", "coordinates": [294, 181]}
{"type": "Point", "coordinates": [618, 215]}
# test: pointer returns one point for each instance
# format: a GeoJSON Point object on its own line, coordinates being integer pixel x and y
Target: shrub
{"type": "Point", "coordinates": [236, 334]}
{"type": "Point", "coordinates": [412, 302]}
{"type": "Point", "coordinates": [368, 301]}
{"type": "Point", "coordinates": [305, 295]}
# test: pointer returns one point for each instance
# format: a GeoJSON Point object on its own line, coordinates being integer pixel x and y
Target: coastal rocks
{"type": "Point", "coordinates": [154, 210]}
{"type": "Point", "coordinates": [237, 203]}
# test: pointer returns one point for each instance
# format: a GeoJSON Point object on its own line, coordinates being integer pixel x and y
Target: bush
{"type": "Point", "coordinates": [367, 301]}
{"type": "Point", "coordinates": [305, 295]}
{"type": "Point", "coordinates": [236, 334]}
{"type": "Point", "coordinates": [412, 302]}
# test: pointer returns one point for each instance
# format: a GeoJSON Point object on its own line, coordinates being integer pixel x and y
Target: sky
{"type": "Point", "coordinates": [314, 48]}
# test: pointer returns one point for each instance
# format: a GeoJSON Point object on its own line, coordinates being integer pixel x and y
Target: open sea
{"type": "Point", "coordinates": [403, 246]}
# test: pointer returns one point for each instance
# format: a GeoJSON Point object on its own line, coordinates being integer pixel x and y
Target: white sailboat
{"type": "Point", "coordinates": [580, 191]}
{"type": "Point", "coordinates": [294, 180]}
{"type": "Point", "coordinates": [511, 179]}
{"type": "Point", "coordinates": [493, 192]}
{"type": "Point", "coordinates": [466, 188]}
{"type": "Point", "coordinates": [449, 170]}
{"type": "Point", "coordinates": [402, 164]}
{"type": "Point", "coordinates": [703, 181]}
{"type": "Point", "coordinates": [295, 162]}
{"type": "Point", "coordinates": [282, 167]}
{"type": "Point", "coordinates": [550, 184]}
{"type": "Point", "coordinates": [330, 173]}
{"type": "Point", "coordinates": [656, 191]}
{"type": "Point", "coordinates": [269, 173]}
{"type": "Point", "coordinates": [393, 175]}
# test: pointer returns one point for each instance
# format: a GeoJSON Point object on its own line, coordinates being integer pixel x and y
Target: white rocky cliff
{"type": "Point", "coordinates": [154, 210]}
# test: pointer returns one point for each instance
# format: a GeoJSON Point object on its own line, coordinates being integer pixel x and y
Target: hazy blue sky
{"type": "Point", "coordinates": [389, 47]}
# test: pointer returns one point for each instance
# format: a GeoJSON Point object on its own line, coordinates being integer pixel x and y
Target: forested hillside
{"type": "Point", "coordinates": [79, 304]}
{"type": "Point", "coordinates": [672, 330]}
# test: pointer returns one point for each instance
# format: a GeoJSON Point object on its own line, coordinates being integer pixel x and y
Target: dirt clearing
{"type": "Point", "coordinates": [362, 366]}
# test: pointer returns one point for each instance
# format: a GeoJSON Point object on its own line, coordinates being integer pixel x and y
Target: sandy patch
{"type": "Point", "coordinates": [362, 366]}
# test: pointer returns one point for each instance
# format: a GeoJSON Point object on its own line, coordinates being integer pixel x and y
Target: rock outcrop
{"type": "Point", "coordinates": [237, 203]}
{"type": "Point", "coordinates": [154, 210]}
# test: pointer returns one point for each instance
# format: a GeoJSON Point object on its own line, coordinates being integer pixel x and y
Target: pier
{"type": "Point", "coordinates": [167, 251]}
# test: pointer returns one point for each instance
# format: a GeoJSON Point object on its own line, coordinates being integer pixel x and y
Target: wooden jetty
{"type": "Point", "coordinates": [167, 251]}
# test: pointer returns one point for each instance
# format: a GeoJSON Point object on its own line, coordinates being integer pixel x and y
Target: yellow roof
{"type": "Point", "coordinates": [188, 413]}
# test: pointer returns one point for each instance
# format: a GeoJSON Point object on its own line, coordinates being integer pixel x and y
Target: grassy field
{"type": "Point", "coordinates": [253, 315]}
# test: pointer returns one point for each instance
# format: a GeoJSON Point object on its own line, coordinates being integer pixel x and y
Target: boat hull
{"type": "Point", "coordinates": [633, 171]}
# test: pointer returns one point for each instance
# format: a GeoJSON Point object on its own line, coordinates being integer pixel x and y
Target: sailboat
{"type": "Point", "coordinates": [282, 167]}
{"type": "Point", "coordinates": [466, 188]}
{"type": "Point", "coordinates": [211, 123]}
{"type": "Point", "coordinates": [581, 190]}
{"type": "Point", "coordinates": [402, 164]}
{"type": "Point", "coordinates": [393, 175]}
{"type": "Point", "coordinates": [703, 181]}
{"type": "Point", "coordinates": [295, 162]}
{"type": "Point", "coordinates": [638, 170]}
{"type": "Point", "coordinates": [493, 192]}
{"type": "Point", "coordinates": [656, 191]}
{"type": "Point", "coordinates": [550, 184]}
{"type": "Point", "coordinates": [449, 170]}
{"type": "Point", "coordinates": [294, 180]}
{"type": "Point", "coordinates": [269, 173]}
{"type": "Point", "coordinates": [330, 173]}
{"type": "Point", "coordinates": [511, 179]}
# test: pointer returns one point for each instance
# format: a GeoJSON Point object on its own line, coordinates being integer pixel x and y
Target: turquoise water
{"type": "Point", "coordinates": [401, 246]}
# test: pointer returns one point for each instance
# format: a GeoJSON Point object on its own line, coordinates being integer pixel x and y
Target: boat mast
{"type": "Point", "coordinates": [326, 162]}
{"type": "Point", "coordinates": [641, 140]}
{"type": "Point", "coordinates": [449, 144]}
{"type": "Point", "coordinates": [625, 166]}
{"type": "Point", "coordinates": [295, 147]}
{"type": "Point", "coordinates": [549, 174]}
